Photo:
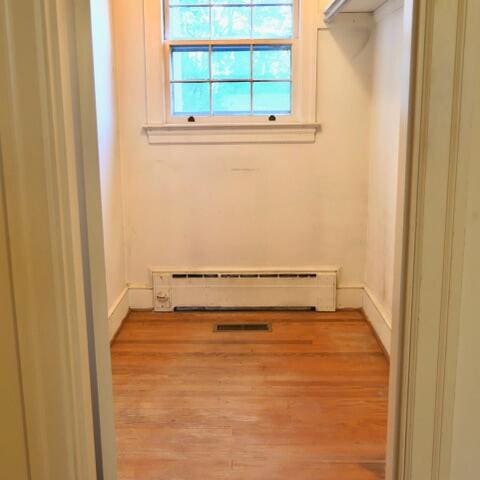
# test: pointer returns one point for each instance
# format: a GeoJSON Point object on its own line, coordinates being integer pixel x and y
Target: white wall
{"type": "Point", "coordinates": [110, 165]}
{"type": "Point", "coordinates": [383, 166]}
{"type": "Point", "coordinates": [248, 205]}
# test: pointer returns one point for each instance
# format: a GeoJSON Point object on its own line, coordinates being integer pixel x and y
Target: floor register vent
{"type": "Point", "coordinates": [203, 290]}
{"type": "Point", "coordinates": [242, 327]}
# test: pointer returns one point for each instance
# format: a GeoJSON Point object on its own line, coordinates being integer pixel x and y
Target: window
{"type": "Point", "coordinates": [249, 75]}
{"type": "Point", "coordinates": [230, 62]}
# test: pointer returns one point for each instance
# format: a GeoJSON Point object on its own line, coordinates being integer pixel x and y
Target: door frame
{"type": "Point", "coordinates": [50, 173]}
{"type": "Point", "coordinates": [13, 450]}
{"type": "Point", "coordinates": [49, 165]}
{"type": "Point", "coordinates": [431, 249]}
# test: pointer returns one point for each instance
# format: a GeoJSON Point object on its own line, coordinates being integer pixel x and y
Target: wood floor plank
{"type": "Point", "coordinates": [307, 400]}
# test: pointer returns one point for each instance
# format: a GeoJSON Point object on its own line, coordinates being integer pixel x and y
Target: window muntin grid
{"type": "Point", "coordinates": [238, 57]}
{"type": "Point", "coordinates": [229, 19]}
{"type": "Point", "coordinates": [231, 80]}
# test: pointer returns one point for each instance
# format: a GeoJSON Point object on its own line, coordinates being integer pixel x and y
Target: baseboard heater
{"type": "Point", "coordinates": [209, 290]}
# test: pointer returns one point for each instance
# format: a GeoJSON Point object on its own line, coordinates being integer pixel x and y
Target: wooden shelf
{"type": "Point", "coordinates": [351, 6]}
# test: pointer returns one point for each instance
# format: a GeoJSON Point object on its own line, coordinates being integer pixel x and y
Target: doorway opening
{"type": "Point", "coordinates": [261, 171]}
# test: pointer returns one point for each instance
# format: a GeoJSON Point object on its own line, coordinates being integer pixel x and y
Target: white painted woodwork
{"type": "Point", "coordinates": [351, 6]}
{"type": "Point", "coordinates": [437, 411]}
{"type": "Point", "coordinates": [118, 312]}
{"type": "Point", "coordinates": [140, 297]}
{"type": "Point", "coordinates": [157, 75]}
{"type": "Point", "coordinates": [13, 435]}
{"type": "Point", "coordinates": [440, 303]}
{"type": "Point", "coordinates": [379, 318]}
{"type": "Point", "coordinates": [465, 377]}
{"type": "Point", "coordinates": [245, 289]}
{"type": "Point", "coordinates": [53, 211]}
{"type": "Point", "coordinates": [401, 231]}
{"type": "Point", "coordinates": [255, 133]}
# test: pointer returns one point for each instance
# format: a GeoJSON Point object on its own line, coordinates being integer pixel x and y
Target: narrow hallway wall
{"type": "Point", "coordinates": [110, 165]}
{"type": "Point", "coordinates": [386, 40]}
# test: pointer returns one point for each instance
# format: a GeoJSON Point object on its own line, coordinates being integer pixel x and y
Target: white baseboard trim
{"type": "Point", "coordinates": [349, 296]}
{"type": "Point", "coordinates": [378, 318]}
{"type": "Point", "coordinates": [140, 297]}
{"type": "Point", "coordinates": [118, 312]}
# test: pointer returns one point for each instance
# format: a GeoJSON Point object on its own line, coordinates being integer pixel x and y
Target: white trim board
{"type": "Point", "coordinates": [336, 7]}
{"type": "Point", "coordinates": [51, 186]}
{"type": "Point", "coordinates": [374, 8]}
{"type": "Point", "coordinates": [141, 296]}
{"type": "Point", "coordinates": [378, 318]}
{"type": "Point", "coordinates": [211, 134]}
{"type": "Point", "coordinates": [248, 269]}
{"type": "Point", "coordinates": [118, 312]}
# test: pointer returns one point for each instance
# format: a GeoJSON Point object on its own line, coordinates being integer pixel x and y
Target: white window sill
{"type": "Point", "coordinates": [197, 133]}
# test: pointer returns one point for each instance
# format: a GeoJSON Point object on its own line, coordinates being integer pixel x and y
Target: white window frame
{"type": "Point", "coordinates": [299, 126]}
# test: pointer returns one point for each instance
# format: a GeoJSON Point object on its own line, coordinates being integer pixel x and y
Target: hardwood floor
{"type": "Point", "coordinates": [305, 401]}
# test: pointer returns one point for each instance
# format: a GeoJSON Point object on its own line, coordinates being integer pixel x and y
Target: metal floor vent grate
{"type": "Point", "coordinates": [242, 327]}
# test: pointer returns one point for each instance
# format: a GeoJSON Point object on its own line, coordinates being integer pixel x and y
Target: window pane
{"type": "Point", "coordinates": [231, 22]}
{"type": "Point", "coordinates": [232, 98]}
{"type": "Point", "coordinates": [230, 63]}
{"type": "Point", "coordinates": [229, 2]}
{"type": "Point", "coordinates": [190, 63]}
{"type": "Point", "coordinates": [189, 23]}
{"type": "Point", "coordinates": [269, 2]}
{"type": "Point", "coordinates": [272, 97]}
{"type": "Point", "coordinates": [271, 63]}
{"type": "Point", "coordinates": [272, 22]}
{"type": "Point", "coordinates": [191, 98]}
{"type": "Point", "coordinates": [226, 2]}
{"type": "Point", "coordinates": [189, 2]}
